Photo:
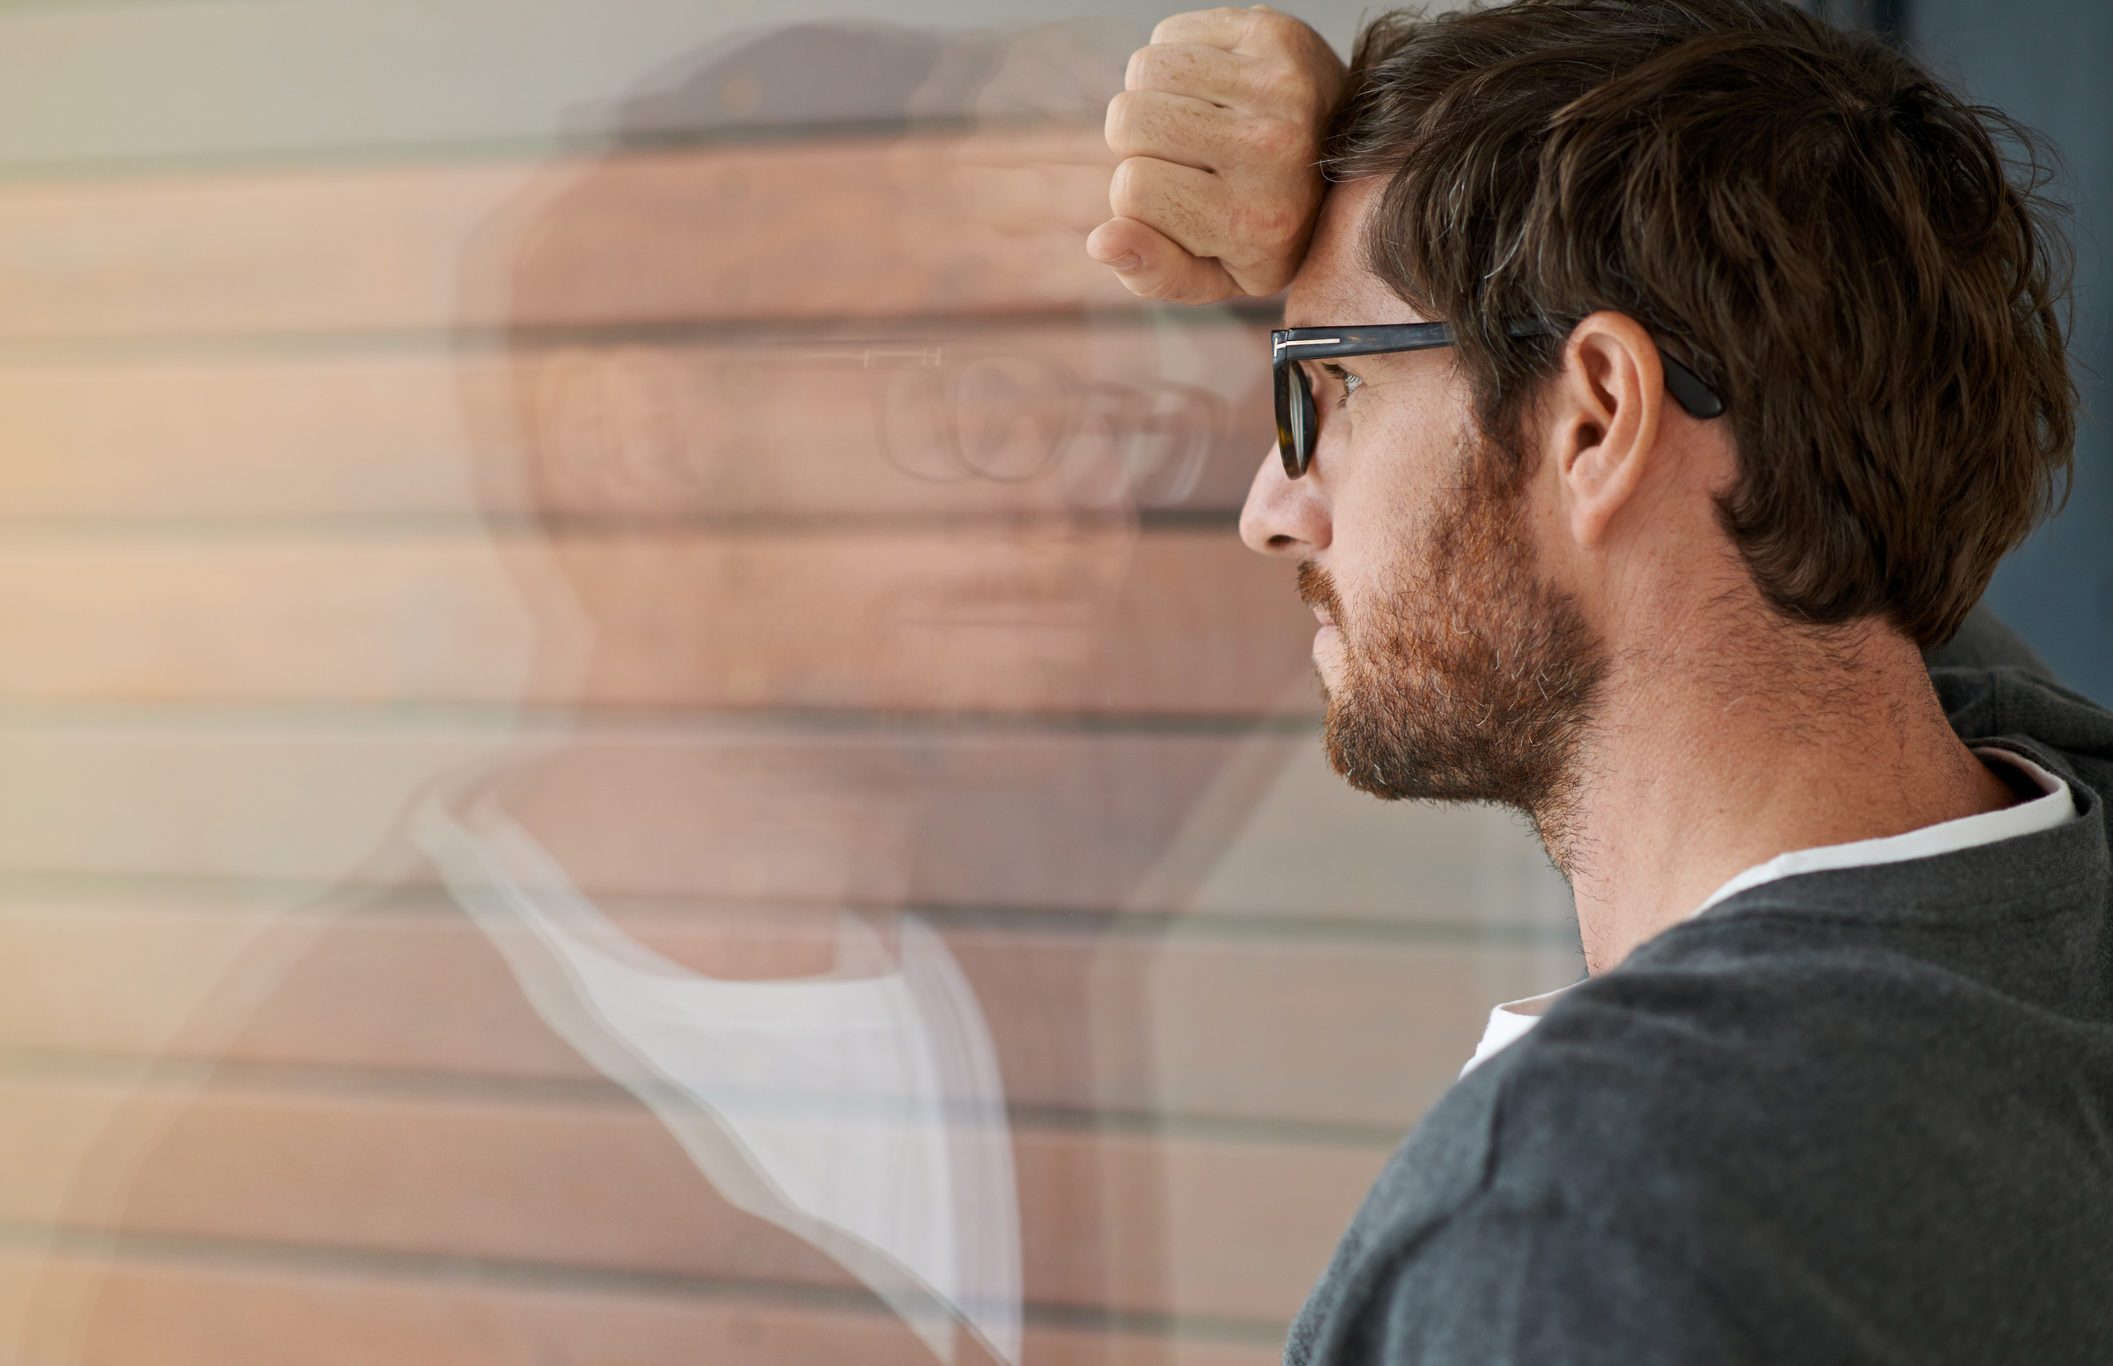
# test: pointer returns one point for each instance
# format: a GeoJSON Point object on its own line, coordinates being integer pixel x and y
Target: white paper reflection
{"type": "Point", "coordinates": [860, 1109]}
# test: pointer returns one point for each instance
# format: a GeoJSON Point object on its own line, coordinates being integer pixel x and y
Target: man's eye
{"type": "Point", "coordinates": [1343, 377]}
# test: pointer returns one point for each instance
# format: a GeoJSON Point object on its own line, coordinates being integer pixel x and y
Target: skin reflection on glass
{"type": "Point", "coordinates": [832, 1074]}
{"type": "Point", "coordinates": [812, 568]}
{"type": "Point", "coordinates": [859, 520]}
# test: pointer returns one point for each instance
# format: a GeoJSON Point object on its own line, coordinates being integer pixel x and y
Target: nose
{"type": "Point", "coordinates": [1285, 517]}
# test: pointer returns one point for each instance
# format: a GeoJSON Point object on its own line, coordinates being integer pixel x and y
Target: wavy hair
{"type": "Point", "coordinates": [1864, 264]}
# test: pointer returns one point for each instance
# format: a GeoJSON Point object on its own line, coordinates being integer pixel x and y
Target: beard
{"type": "Point", "coordinates": [1470, 678]}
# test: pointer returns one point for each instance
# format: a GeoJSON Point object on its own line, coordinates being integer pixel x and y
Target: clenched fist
{"type": "Point", "coordinates": [1219, 127]}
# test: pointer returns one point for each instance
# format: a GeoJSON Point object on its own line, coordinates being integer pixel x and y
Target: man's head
{"type": "Point", "coordinates": [1827, 236]}
{"type": "Point", "coordinates": [1455, 671]}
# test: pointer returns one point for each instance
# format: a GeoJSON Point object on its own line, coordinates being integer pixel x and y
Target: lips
{"type": "Point", "coordinates": [1317, 592]}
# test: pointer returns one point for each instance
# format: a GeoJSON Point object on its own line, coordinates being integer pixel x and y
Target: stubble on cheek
{"type": "Point", "coordinates": [1465, 677]}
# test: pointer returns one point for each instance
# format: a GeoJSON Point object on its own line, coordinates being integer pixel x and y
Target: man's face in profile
{"type": "Point", "coordinates": [1454, 670]}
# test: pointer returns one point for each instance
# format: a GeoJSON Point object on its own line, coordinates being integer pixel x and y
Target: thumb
{"type": "Point", "coordinates": [1154, 266]}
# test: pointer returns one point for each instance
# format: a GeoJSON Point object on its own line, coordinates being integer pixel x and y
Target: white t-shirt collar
{"type": "Point", "coordinates": [1511, 1020]}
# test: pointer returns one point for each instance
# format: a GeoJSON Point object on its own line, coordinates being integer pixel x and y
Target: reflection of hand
{"type": "Point", "coordinates": [1220, 129]}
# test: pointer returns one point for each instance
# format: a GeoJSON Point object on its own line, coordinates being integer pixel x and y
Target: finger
{"type": "Point", "coordinates": [1179, 201]}
{"type": "Point", "coordinates": [1204, 73]}
{"type": "Point", "coordinates": [1175, 128]}
{"type": "Point", "coordinates": [1152, 266]}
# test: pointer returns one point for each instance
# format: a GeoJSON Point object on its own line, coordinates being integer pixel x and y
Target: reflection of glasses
{"type": "Point", "coordinates": [951, 414]}
{"type": "Point", "coordinates": [1296, 419]}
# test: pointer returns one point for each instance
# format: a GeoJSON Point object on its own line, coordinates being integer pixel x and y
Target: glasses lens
{"type": "Point", "coordinates": [1294, 418]}
{"type": "Point", "coordinates": [1010, 416]}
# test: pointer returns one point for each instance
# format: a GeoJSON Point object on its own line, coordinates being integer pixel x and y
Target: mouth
{"type": "Point", "coordinates": [1318, 593]}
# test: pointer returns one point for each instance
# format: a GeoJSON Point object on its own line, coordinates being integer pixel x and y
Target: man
{"type": "Point", "coordinates": [1751, 372]}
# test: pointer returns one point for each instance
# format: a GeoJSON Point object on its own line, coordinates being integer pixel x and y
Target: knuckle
{"type": "Point", "coordinates": [1121, 112]}
{"type": "Point", "coordinates": [1160, 67]}
{"type": "Point", "coordinates": [1189, 20]}
{"type": "Point", "coordinates": [1275, 141]}
{"type": "Point", "coordinates": [1138, 73]}
{"type": "Point", "coordinates": [1270, 21]}
{"type": "Point", "coordinates": [1274, 32]}
{"type": "Point", "coordinates": [1126, 191]}
{"type": "Point", "coordinates": [1286, 89]}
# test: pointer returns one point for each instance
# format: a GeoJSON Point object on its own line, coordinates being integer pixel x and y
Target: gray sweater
{"type": "Point", "coordinates": [1863, 1115]}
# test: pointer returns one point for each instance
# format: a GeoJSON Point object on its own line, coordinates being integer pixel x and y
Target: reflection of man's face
{"type": "Point", "coordinates": [1454, 670]}
{"type": "Point", "coordinates": [909, 524]}
{"type": "Point", "coordinates": [883, 488]}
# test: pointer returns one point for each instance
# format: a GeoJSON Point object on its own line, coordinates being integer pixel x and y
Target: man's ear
{"type": "Point", "coordinates": [1600, 420]}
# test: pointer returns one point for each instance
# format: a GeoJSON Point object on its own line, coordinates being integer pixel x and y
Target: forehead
{"type": "Point", "coordinates": [1333, 284]}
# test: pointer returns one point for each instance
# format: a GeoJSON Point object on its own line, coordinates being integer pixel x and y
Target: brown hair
{"type": "Point", "coordinates": [1830, 237]}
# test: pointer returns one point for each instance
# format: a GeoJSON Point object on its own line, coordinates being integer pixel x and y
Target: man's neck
{"type": "Point", "coordinates": [768, 840]}
{"type": "Point", "coordinates": [1699, 769]}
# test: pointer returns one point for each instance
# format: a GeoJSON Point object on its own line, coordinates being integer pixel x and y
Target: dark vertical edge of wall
{"type": "Point", "coordinates": [2042, 62]}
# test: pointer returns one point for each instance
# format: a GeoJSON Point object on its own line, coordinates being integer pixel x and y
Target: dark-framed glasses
{"type": "Point", "coordinates": [1298, 420]}
{"type": "Point", "coordinates": [963, 415]}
